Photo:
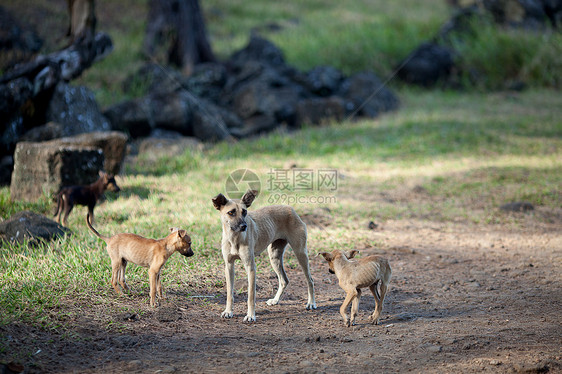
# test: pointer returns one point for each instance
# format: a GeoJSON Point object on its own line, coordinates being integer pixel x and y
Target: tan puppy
{"type": "Point", "coordinates": [247, 234]}
{"type": "Point", "coordinates": [149, 253]}
{"type": "Point", "coordinates": [354, 275]}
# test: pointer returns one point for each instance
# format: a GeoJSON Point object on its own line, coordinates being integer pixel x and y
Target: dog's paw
{"type": "Point", "coordinates": [250, 318]}
{"type": "Point", "coordinates": [272, 302]}
{"type": "Point", "coordinates": [226, 314]}
{"type": "Point", "coordinates": [310, 306]}
{"type": "Point", "coordinates": [347, 323]}
{"type": "Point", "coordinates": [374, 321]}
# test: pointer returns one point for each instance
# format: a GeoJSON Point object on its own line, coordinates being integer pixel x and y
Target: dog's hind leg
{"type": "Point", "coordinates": [351, 294]}
{"type": "Point", "coordinates": [379, 299]}
{"type": "Point", "coordinates": [276, 251]}
{"type": "Point", "coordinates": [115, 274]}
{"type": "Point", "coordinates": [299, 247]}
{"type": "Point", "coordinates": [67, 209]}
{"type": "Point", "coordinates": [122, 279]}
{"type": "Point", "coordinates": [379, 303]}
{"type": "Point", "coordinates": [59, 209]}
{"type": "Point", "coordinates": [355, 307]}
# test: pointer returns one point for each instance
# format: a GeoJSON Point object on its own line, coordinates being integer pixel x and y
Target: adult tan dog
{"type": "Point", "coordinates": [353, 275]}
{"type": "Point", "coordinates": [247, 234]}
{"type": "Point", "coordinates": [149, 253]}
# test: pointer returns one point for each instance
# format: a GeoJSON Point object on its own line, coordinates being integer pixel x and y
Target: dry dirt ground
{"type": "Point", "coordinates": [462, 299]}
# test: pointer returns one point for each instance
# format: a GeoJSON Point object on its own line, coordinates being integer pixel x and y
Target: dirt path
{"type": "Point", "coordinates": [460, 301]}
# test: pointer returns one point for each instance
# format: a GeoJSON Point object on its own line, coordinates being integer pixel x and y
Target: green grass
{"type": "Point", "coordinates": [494, 58]}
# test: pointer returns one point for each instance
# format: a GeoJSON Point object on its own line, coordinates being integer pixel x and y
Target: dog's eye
{"type": "Point", "coordinates": [244, 212]}
{"type": "Point", "coordinates": [232, 212]}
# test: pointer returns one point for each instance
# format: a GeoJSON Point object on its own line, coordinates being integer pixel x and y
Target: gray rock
{"type": "Point", "coordinates": [76, 109]}
{"type": "Point", "coordinates": [43, 168]}
{"type": "Point", "coordinates": [48, 131]}
{"type": "Point", "coordinates": [323, 80]}
{"type": "Point", "coordinates": [112, 143]}
{"type": "Point", "coordinates": [427, 65]}
{"type": "Point", "coordinates": [368, 94]}
{"type": "Point", "coordinates": [320, 109]}
{"type": "Point", "coordinates": [31, 227]}
{"type": "Point", "coordinates": [517, 206]}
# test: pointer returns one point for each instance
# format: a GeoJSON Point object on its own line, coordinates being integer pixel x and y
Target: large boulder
{"type": "Point", "coordinates": [75, 108]}
{"type": "Point", "coordinates": [366, 95]}
{"type": "Point", "coordinates": [427, 65]}
{"type": "Point", "coordinates": [260, 50]}
{"type": "Point", "coordinates": [112, 143]}
{"type": "Point", "coordinates": [207, 81]}
{"type": "Point", "coordinates": [13, 95]}
{"type": "Point", "coordinates": [253, 92]}
{"type": "Point", "coordinates": [43, 168]}
{"type": "Point", "coordinates": [317, 110]}
{"type": "Point", "coordinates": [30, 227]}
{"type": "Point", "coordinates": [132, 117]}
{"type": "Point", "coordinates": [323, 80]}
{"type": "Point", "coordinates": [48, 131]}
{"type": "Point", "coordinates": [178, 111]}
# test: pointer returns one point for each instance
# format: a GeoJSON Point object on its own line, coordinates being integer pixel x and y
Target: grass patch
{"type": "Point", "coordinates": [491, 57]}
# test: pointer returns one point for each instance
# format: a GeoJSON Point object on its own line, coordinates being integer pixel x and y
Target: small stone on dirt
{"type": "Point", "coordinates": [518, 206]}
{"type": "Point", "coordinates": [133, 365]}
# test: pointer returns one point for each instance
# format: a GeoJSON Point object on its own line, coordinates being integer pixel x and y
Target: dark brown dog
{"type": "Point", "coordinates": [84, 195]}
{"type": "Point", "coordinates": [353, 275]}
{"type": "Point", "coordinates": [149, 253]}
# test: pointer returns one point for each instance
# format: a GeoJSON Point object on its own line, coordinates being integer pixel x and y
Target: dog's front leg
{"type": "Point", "coordinates": [229, 273]}
{"type": "Point", "coordinates": [153, 278]}
{"type": "Point", "coordinates": [355, 307]}
{"type": "Point", "coordinates": [250, 266]}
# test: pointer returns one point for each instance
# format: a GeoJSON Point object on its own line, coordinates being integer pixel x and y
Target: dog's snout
{"type": "Point", "coordinates": [243, 227]}
{"type": "Point", "coordinates": [188, 253]}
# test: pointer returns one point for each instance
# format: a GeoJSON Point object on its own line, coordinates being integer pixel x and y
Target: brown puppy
{"type": "Point", "coordinates": [354, 275]}
{"type": "Point", "coordinates": [149, 253]}
{"type": "Point", "coordinates": [247, 234]}
{"type": "Point", "coordinates": [83, 195]}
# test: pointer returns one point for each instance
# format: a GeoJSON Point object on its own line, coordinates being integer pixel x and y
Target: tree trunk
{"type": "Point", "coordinates": [176, 34]}
{"type": "Point", "coordinates": [82, 27]}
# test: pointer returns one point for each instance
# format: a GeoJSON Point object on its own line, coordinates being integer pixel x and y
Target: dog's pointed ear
{"type": "Point", "coordinates": [351, 254]}
{"type": "Point", "coordinates": [249, 197]}
{"type": "Point", "coordinates": [182, 233]}
{"type": "Point", "coordinates": [219, 201]}
{"type": "Point", "coordinates": [326, 255]}
{"type": "Point", "coordinates": [174, 229]}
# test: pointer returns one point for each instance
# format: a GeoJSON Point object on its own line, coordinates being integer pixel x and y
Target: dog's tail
{"type": "Point", "coordinates": [94, 230]}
